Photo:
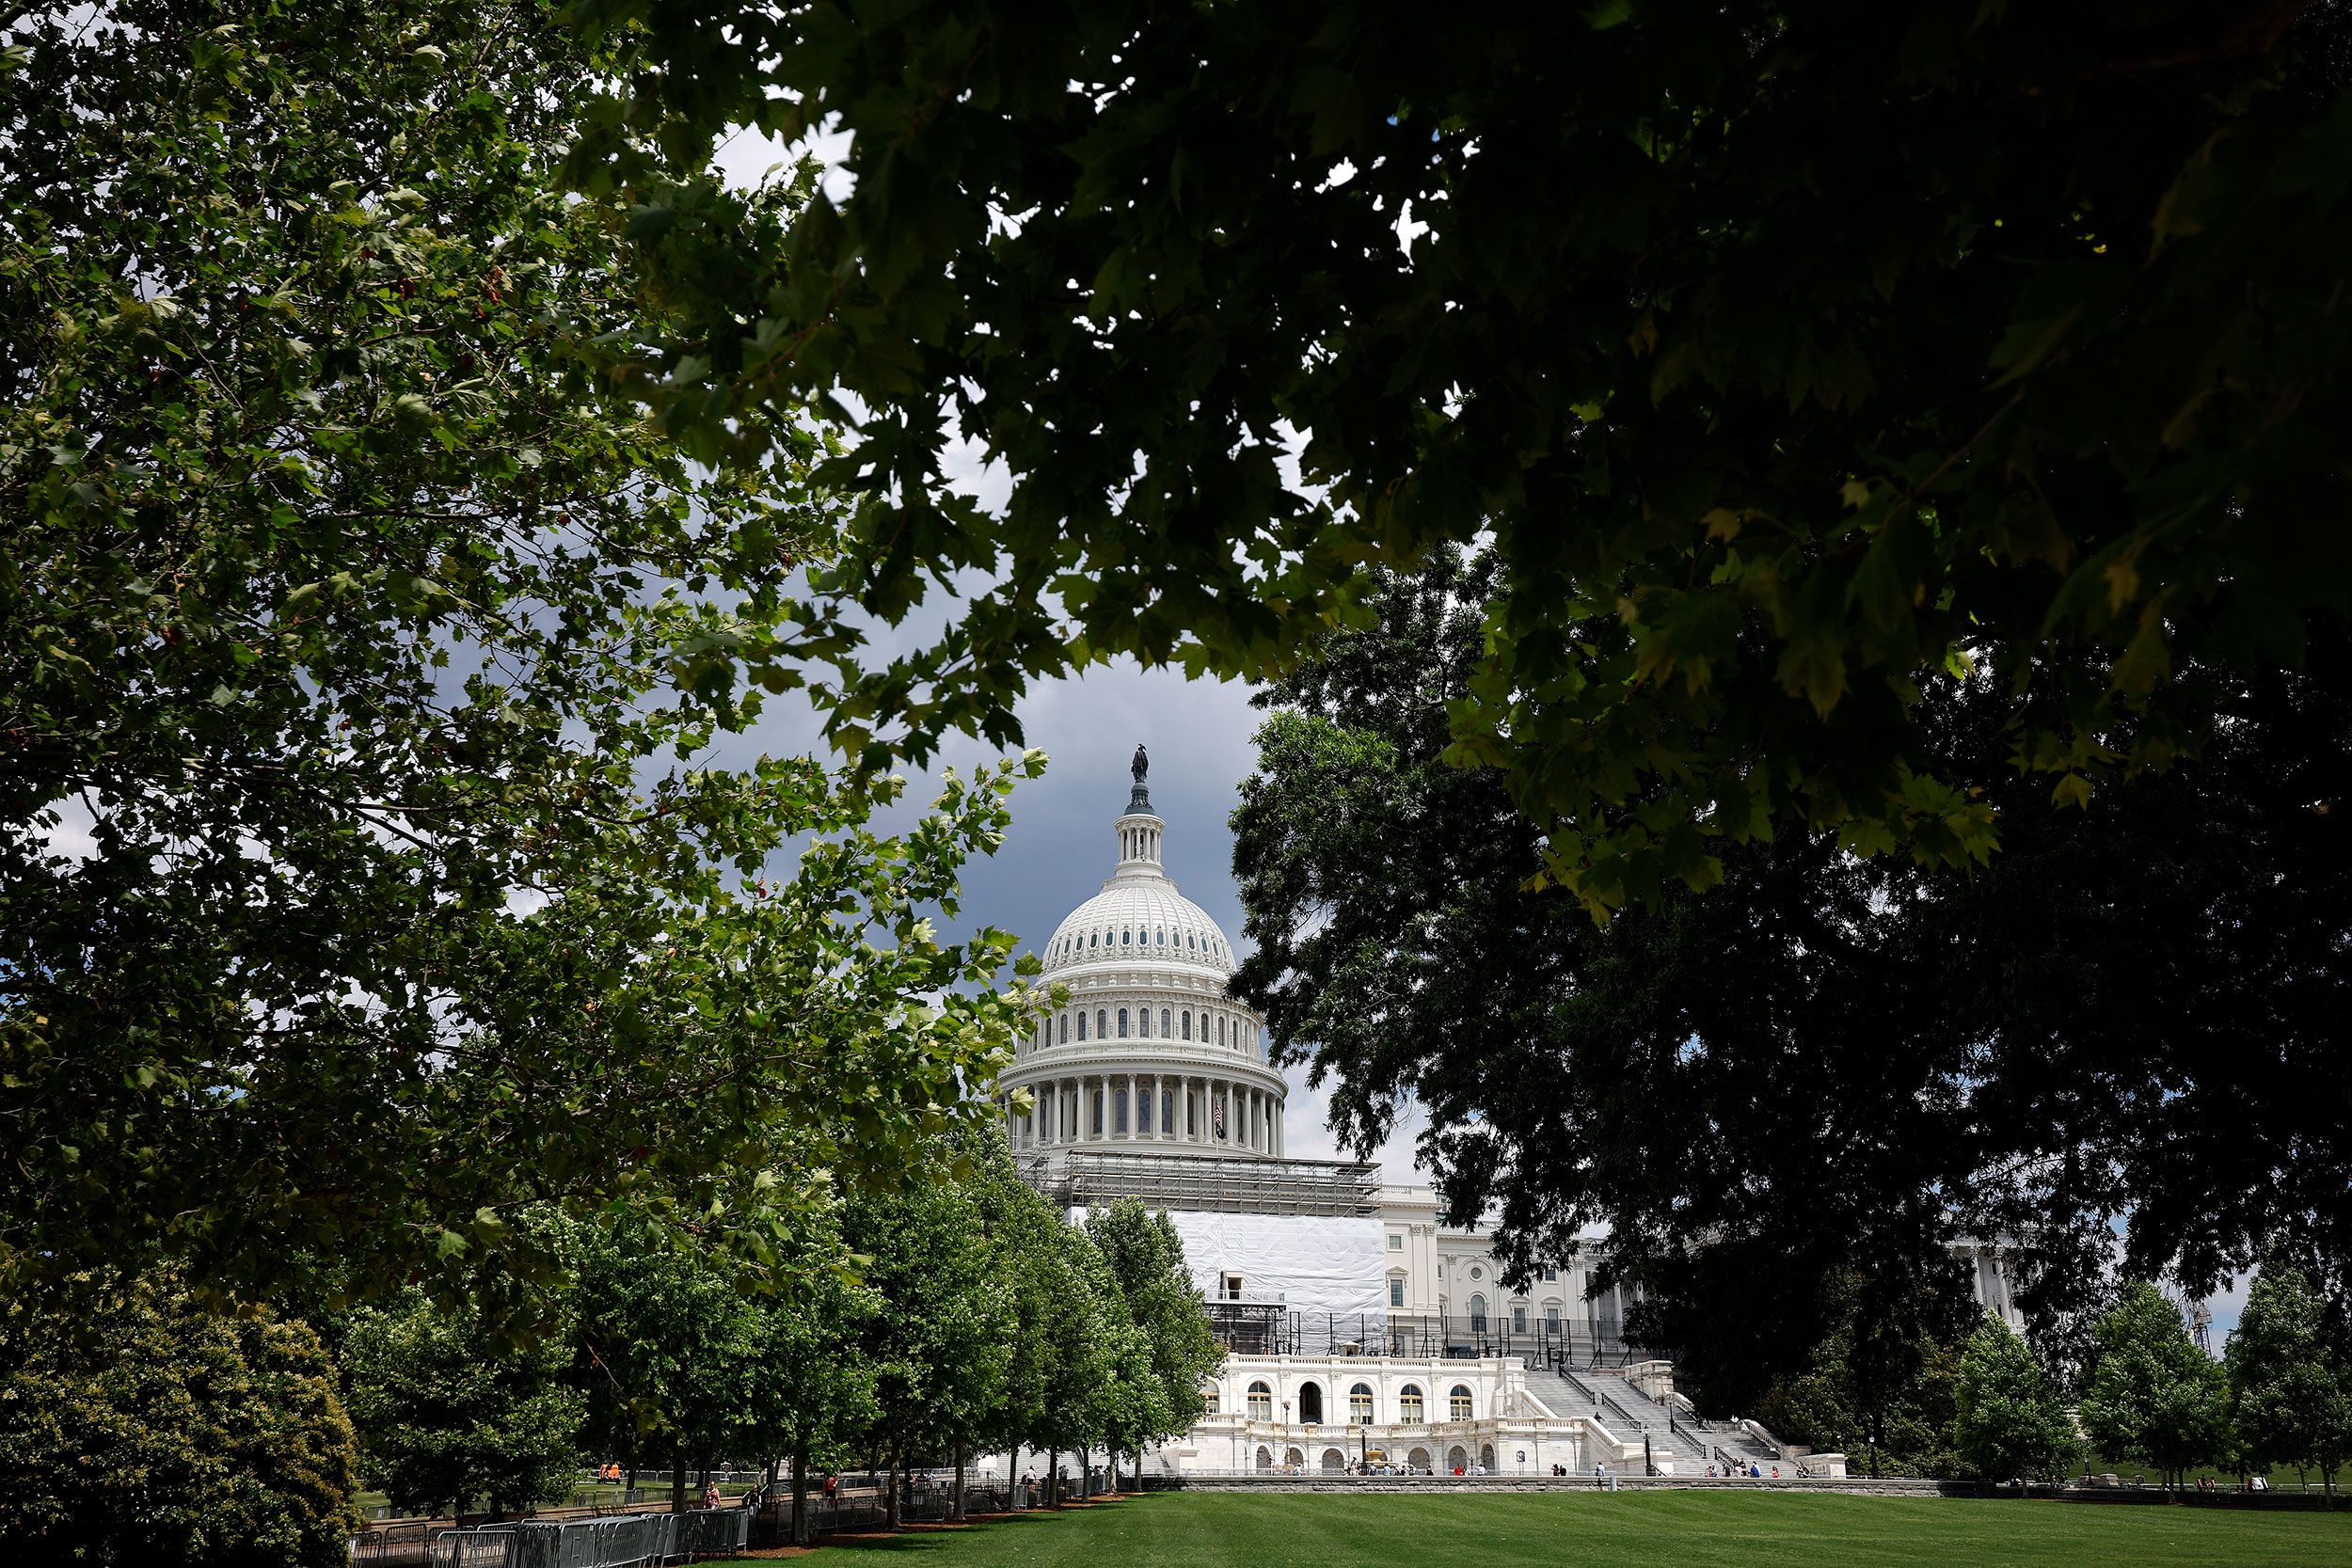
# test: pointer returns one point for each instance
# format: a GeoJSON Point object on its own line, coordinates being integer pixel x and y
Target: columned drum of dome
{"type": "Point", "coordinates": [1149, 1054]}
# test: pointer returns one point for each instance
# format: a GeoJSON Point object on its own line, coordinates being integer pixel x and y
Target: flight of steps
{"type": "Point", "coordinates": [1625, 1411]}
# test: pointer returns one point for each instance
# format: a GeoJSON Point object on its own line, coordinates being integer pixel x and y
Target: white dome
{"type": "Point", "coordinates": [1138, 919]}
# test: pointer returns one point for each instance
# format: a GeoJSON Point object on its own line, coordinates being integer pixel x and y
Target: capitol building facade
{"type": "Point", "coordinates": [1360, 1331]}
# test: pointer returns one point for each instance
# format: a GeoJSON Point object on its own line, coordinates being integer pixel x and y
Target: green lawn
{"type": "Point", "coordinates": [1680, 1529]}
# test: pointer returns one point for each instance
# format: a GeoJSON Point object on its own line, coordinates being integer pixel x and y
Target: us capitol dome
{"type": "Point", "coordinates": [1150, 1055]}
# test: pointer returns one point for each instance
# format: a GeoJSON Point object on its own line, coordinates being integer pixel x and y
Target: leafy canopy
{"type": "Point", "coordinates": [375, 864]}
{"type": "Point", "coordinates": [1783, 355]}
{"type": "Point", "coordinates": [2128, 1018]}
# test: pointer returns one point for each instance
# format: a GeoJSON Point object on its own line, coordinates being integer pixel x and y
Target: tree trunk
{"type": "Point", "coordinates": [1052, 1478]}
{"type": "Point", "coordinates": [955, 1505]}
{"type": "Point", "coordinates": [799, 1499]}
{"type": "Point", "coordinates": [893, 1517]}
{"type": "Point", "coordinates": [678, 1484]}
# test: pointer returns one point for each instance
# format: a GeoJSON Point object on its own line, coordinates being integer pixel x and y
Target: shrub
{"type": "Point", "coordinates": [145, 1431]}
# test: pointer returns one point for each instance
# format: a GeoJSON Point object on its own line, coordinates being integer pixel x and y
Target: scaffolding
{"type": "Point", "coordinates": [1087, 1179]}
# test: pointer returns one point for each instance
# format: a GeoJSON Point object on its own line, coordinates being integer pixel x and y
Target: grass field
{"type": "Point", "coordinates": [1682, 1530]}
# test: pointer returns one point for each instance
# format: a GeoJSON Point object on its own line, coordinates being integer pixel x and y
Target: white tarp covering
{"type": "Point", "coordinates": [1308, 1263]}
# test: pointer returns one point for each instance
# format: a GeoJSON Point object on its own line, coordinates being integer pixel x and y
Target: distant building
{"type": "Point", "coordinates": [1360, 1330]}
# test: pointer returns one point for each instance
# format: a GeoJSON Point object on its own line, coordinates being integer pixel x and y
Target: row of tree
{"type": "Point", "coordinates": [948, 1319]}
{"type": "Point", "coordinates": [1981, 1403]}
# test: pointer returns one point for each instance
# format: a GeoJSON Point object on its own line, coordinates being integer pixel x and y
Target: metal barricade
{"type": "Point", "coordinates": [612, 1540]}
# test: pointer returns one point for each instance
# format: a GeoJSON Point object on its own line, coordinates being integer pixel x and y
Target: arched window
{"type": "Point", "coordinates": [1311, 1403]}
{"type": "Point", "coordinates": [1457, 1404]}
{"type": "Point", "coordinates": [1360, 1404]}
{"type": "Point", "coordinates": [1098, 1113]}
{"type": "Point", "coordinates": [1163, 936]}
{"type": "Point", "coordinates": [1220, 1028]}
{"type": "Point", "coordinates": [1163, 1023]}
{"type": "Point", "coordinates": [1188, 1024]}
{"type": "Point", "coordinates": [1478, 1314]}
{"type": "Point", "coordinates": [1101, 1023]}
{"type": "Point", "coordinates": [1065, 1029]}
{"type": "Point", "coordinates": [1265, 1457]}
{"type": "Point", "coordinates": [1081, 1025]}
{"type": "Point", "coordinates": [1122, 1023]}
{"type": "Point", "coordinates": [1208, 1400]}
{"type": "Point", "coordinates": [1143, 1022]}
{"type": "Point", "coordinates": [1408, 1404]}
{"type": "Point", "coordinates": [1125, 936]}
{"type": "Point", "coordinates": [1261, 1403]}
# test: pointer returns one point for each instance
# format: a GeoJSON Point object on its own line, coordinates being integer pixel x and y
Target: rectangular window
{"type": "Point", "coordinates": [1551, 1319]}
{"type": "Point", "coordinates": [1232, 1287]}
{"type": "Point", "coordinates": [1396, 1243]}
{"type": "Point", "coordinates": [1396, 1292]}
{"type": "Point", "coordinates": [1518, 1320]}
{"type": "Point", "coordinates": [1551, 1277]}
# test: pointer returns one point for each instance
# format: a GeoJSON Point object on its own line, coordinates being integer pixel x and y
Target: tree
{"type": "Point", "coordinates": [449, 1412]}
{"type": "Point", "coordinates": [2011, 1418]}
{"type": "Point", "coordinates": [367, 874]}
{"type": "Point", "coordinates": [812, 1390]}
{"type": "Point", "coordinates": [1829, 1062]}
{"type": "Point", "coordinates": [1883, 1381]}
{"type": "Point", "coordinates": [1800, 351]}
{"type": "Point", "coordinates": [1082, 1334]}
{"type": "Point", "coordinates": [142, 1429]}
{"type": "Point", "coordinates": [1025, 1234]}
{"type": "Point", "coordinates": [2290, 1383]}
{"type": "Point", "coordinates": [669, 1351]}
{"type": "Point", "coordinates": [2153, 1395]}
{"type": "Point", "coordinates": [939, 1344]}
{"type": "Point", "coordinates": [1146, 1258]}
